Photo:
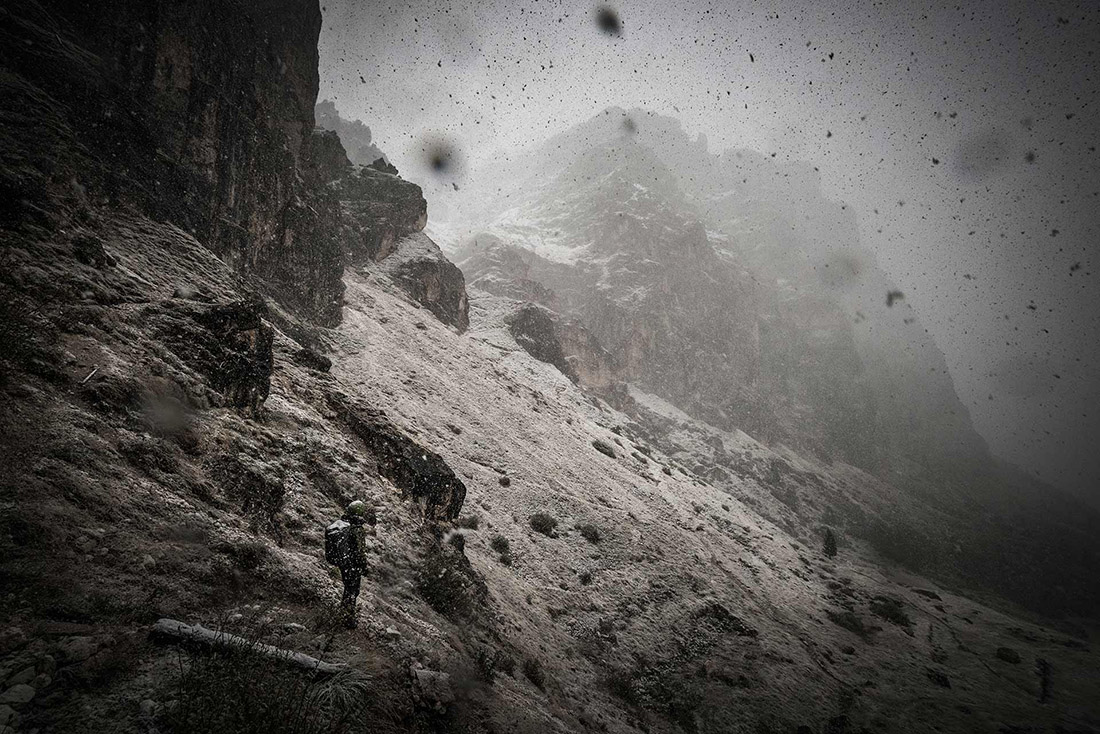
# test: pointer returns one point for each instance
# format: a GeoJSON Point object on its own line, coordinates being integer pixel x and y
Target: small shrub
{"type": "Point", "coordinates": [249, 555]}
{"type": "Point", "coordinates": [621, 685]}
{"type": "Point", "coordinates": [830, 543]}
{"type": "Point", "coordinates": [589, 532]}
{"type": "Point", "coordinates": [848, 621]}
{"type": "Point", "coordinates": [604, 447]}
{"type": "Point", "coordinates": [500, 544]}
{"type": "Point", "coordinates": [543, 523]}
{"type": "Point", "coordinates": [506, 559]}
{"type": "Point", "coordinates": [241, 691]}
{"type": "Point", "coordinates": [532, 670]}
{"type": "Point", "coordinates": [586, 578]}
{"type": "Point", "coordinates": [890, 610]}
{"type": "Point", "coordinates": [506, 664]}
{"type": "Point", "coordinates": [468, 522]}
{"type": "Point", "coordinates": [487, 663]}
{"type": "Point", "coordinates": [1008, 655]}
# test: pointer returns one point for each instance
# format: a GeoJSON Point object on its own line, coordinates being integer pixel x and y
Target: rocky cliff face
{"type": "Point", "coordinates": [204, 117]}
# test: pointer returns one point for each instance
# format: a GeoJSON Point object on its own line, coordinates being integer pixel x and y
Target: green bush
{"type": "Point", "coordinates": [543, 523]}
{"type": "Point", "coordinates": [532, 669]}
{"type": "Point", "coordinates": [589, 532]}
{"type": "Point", "coordinates": [500, 544]}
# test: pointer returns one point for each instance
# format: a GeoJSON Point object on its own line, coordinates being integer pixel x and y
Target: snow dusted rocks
{"type": "Point", "coordinates": [379, 209]}
{"type": "Point", "coordinates": [419, 268]}
{"type": "Point", "coordinates": [418, 472]}
{"type": "Point", "coordinates": [230, 344]}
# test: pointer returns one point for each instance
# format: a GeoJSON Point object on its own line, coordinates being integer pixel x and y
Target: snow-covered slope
{"type": "Point", "coordinates": [178, 426]}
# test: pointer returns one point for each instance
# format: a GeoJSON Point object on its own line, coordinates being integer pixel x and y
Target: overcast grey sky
{"type": "Point", "coordinates": [964, 134]}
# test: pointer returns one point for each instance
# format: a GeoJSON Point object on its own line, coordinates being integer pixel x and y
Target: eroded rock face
{"type": "Point", "coordinates": [379, 209]}
{"type": "Point", "coordinates": [419, 472]}
{"type": "Point", "coordinates": [202, 115]}
{"type": "Point", "coordinates": [497, 268]}
{"type": "Point", "coordinates": [566, 344]}
{"type": "Point", "coordinates": [229, 344]}
{"type": "Point", "coordinates": [419, 267]}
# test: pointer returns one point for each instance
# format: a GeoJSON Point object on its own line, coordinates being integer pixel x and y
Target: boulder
{"type": "Point", "coordinates": [12, 638]}
{"type": "Point", "coordinates": [77, 649]}
{"type": "Point", "coordinates": [432, 687]}
{"type": "Point", "coordinates": [17, 695]}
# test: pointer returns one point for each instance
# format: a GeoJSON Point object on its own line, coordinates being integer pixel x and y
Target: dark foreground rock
{"type": "Point", "coordinates": [230, 344]}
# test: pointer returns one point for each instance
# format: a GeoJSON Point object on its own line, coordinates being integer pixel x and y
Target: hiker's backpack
{"type": "Point", "coordinates": [338, 543]}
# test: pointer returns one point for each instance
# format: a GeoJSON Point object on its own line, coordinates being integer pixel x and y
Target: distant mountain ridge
{"type": "Point", "coordinates": [730, 287]}
{"type": "Point", "coordinates": [665, 249]}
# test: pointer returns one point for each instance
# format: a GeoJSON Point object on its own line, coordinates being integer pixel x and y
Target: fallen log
{"type": "Point", "coordinates": [176, 632]}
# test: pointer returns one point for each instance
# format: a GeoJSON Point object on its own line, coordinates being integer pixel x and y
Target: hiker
{"type": "Point", "coordinates": [346, 548]}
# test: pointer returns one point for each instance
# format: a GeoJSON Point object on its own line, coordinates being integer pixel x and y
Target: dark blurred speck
{"type": "Point", "coordinates": [439, 156]}
{"type": "Point", "coordinates": [608, 20]}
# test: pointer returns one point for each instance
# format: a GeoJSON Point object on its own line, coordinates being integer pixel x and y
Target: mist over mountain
{"type": "Point", "coordinates": [964, 137]}
{"type": "Point", "coordinates": [608, 434]}
{"type": "Point", "coordinates": [729, 285]}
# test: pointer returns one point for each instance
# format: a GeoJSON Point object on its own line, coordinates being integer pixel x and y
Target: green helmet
{"type": "Point", "coordinates": [361, 511]}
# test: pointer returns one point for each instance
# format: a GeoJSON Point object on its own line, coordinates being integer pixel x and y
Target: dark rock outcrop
{"type": "Point", "coordinates": [535, 329]}
{"type": "Point", "coordinates": [420, 269]}
{"type": "Point", "coordinates": [379, 209]}
{"type": "Point", "coordinates": [229, 344]}
{"type": "Point", "coordinates": [564, 343]}
{"type": "Point", "coordinates": [420, 473]}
